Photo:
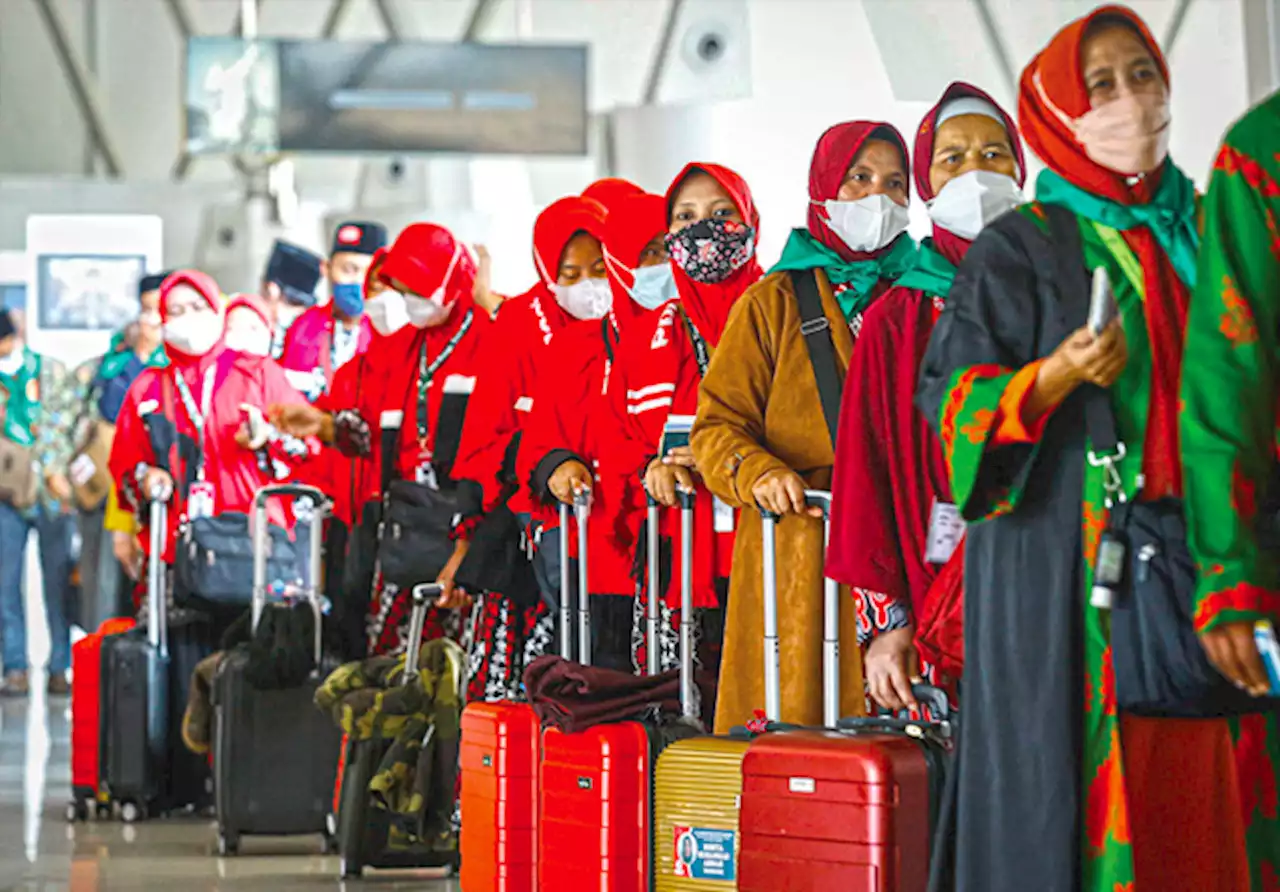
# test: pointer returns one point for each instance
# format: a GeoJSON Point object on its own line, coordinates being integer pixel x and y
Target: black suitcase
{"type": "Point", "coordinates": [145, 676]}
{"type": "Point", "coordinates": [364, 830]}
{"type": "Point", "coordinates": [275, 756]}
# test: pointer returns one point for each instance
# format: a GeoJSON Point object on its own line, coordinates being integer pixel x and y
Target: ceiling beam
{"type": "Point", "coordinates": [476, 20]}
{"type": "Point", "coordinates": [997, 46]}
{"type": "Point", "coordinates": [661, 51]}
{"type": "Point", "coordinates": [1176, 21]}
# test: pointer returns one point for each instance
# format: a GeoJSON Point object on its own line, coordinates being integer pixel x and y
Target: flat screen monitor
{"type": "Point", "coordinates": [88, 292]}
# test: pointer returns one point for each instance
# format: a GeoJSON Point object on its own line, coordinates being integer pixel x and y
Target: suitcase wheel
{"type": "Point", "coordinates": [349, 870]}
{"type": "Point", "coordinates": [132, 812]}
{"type": "Point", "coordinates": [77, 810]}
{"type": "Point", "coordinates": [228, 843]}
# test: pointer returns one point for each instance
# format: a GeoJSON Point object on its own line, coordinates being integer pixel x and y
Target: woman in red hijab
{"type": "Point", "coordinates": [414, 385]}
{"type": "Point", "coordinates": [189, 421]}
{"type": "Point", "coordinates": [893, 521]}
{"type": "Point", "coordinates": [571, 287]}
{"type": "Point", "coordinates": [570, 433]}
{"type": "Point", "coordinates": [1022, 383]}
{"type": "Point", "coordinates": [711, 226]}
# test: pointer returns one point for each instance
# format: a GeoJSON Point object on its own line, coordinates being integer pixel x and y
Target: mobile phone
{"type": "Point", "coordinates": [1264, 636]}
{"type": "Point", "coordinates": [675, 433]}
{"type": "Point", "coordinates": [1102, 302]}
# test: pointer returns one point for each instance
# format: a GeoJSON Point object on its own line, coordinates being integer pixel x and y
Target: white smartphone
{"type": "Point", "coordinates": [1102, 302]}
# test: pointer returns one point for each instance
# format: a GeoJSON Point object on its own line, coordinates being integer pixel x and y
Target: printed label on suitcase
{"type": "Point", "coordinates": [704, 853]}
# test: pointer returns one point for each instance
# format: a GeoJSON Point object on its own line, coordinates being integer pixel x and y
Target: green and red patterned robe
{"type": "Point", "coordinates": [1230, 391]}
{"type": "Point", "coordinates": [1044, 785]}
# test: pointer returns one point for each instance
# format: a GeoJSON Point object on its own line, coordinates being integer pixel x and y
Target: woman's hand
{"type": "Point", "coordinates": [480, 290]}
{"type": "Point", "coordinates": [892, 665]}
{"type": "Point", "coordinates": [1082, 358]}
{"type": "Point", "coordinates": [302, 420]}
{"type": "Point", "coordinates": [570, 478]}
{"type": "Point", "coordinates": [1231, 649]}
{"type": "Point", "coordinates": [452, 596]}
{"type": "Point", "coordinates": [128, 552]}
{"type": "Point", "coordinates": [782, 492]}
{"type": "Point", "coordinates": [669, 475]}
{"type": "Point", "coordinates": [157, 480]}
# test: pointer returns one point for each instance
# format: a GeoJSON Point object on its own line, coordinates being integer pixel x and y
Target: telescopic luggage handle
{"type": "Point", "coordinates": [652, 611]}
{"type": "Point", "coordinates": [688, 702]}
{"type": "Point", "coordinates": [830, 617]}
{"type": "Point", "coordinates": [157, 614]}
{"type": "Point", "coordinates": [566, 587]}
{"type": "Point", "coordinates": [261, 539]}
{"type": "Point", "coordinates": [424, 595]}
{"type": "Point", "coordinates": [581, 511]}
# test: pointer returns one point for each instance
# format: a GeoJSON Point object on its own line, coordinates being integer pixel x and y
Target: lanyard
{"type": "Point", "coordinates": [700, 351]}
{"type": "Point", "coordinates": [427, 373]}
{"type": "Point", "coordinates": [198, 415]}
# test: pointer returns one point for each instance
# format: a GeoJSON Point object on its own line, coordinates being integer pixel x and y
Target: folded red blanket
{"type": "Point", "coordinates": [573, 697]}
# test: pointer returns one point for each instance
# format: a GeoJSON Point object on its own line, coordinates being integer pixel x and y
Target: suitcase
{"type": "Point", "coordinates": [594, 787]}
{"type": "Point", "coordinates": [275, 755]}
{"type": "Point", "coordinates": [697, 782]}
{"type": "Point", "coordinates": [86, 721]}
{"type": "Point", "coordinates": [363, 831]}
{"type": "Point", "coordinates": [146, 675]}
{"type": "Point", "coordinates": [501, 750]}
{"type": "Point", "coordinates": [829, 809]}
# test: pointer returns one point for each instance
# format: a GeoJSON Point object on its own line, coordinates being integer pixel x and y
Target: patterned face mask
{"type": "Point", "coordinates": [710, 251]}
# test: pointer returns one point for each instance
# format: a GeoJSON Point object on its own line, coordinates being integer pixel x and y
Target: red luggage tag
{"type": "Point", "coordinates": [424, 470]}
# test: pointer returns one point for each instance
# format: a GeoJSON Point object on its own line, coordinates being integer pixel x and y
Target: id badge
{"type": "Point", "coordinates": [200, 500]}
{"type": "Point", "coordinates": [946, 529]}
{"type": "Point", "coordinates": [723, 517]}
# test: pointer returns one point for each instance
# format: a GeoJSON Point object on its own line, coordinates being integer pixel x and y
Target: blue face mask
{"type": "Point", "coordinates": [348, 299]}
{"type": "Point", "coordinates": [655, 285]}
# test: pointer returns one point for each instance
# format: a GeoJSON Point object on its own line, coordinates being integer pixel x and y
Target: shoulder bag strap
{"type": "Point", "coordinates": [822, 352]}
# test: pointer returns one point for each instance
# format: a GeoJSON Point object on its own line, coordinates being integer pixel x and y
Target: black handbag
{"type": "Point", "coordinates": [1161, 668]}
{"type": "Point", "coordinates": [213, 560]}
{"type": "Point", "coordinates": [417, 522]}
{"type": "Point", "coordinates": [498, 560]}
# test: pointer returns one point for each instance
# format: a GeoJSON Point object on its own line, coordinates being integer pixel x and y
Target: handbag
{"type": "Point", "coordinates": [498, 560]}
{"type": "Point", "coordinates": [1161, 669]}
{"type": "Point", "coordinates": [90, 477]}
{"type": "Point", "coordinates": [416, 532]}
{"type": "Point", "coordinates": [19, 482]}
{"type": "Point", "coordinates": [213, 561]}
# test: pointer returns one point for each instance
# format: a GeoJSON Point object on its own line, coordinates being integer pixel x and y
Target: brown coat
{"type": "Point", "coordinates": [758, 410]}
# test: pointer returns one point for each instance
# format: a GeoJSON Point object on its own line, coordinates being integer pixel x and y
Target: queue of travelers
{"type": "Point", "coordinates": [946, 392]}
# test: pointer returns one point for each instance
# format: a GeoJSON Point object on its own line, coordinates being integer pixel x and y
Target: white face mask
{"type": "Point", "coordinates": [588, 299]}
{"type": "Point", "coordinates": [867, 224]}
{"type": "Point", "coordinates": [193, 333]}
{"type": "Point", "coordinates": [254, 341]}
{"type": "Point", "coordinates": [387, 313]}
{"type": "Point", "coordinates": [965, 205]}
{"type": "Point", "coordinates": [9, 365]}
{"type": "Point", "coordinates": [655, 286]}
{"type": "Point", "coordinates": [425, 312]}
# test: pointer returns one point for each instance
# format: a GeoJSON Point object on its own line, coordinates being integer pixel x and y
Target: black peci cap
{"type": "Point", "coordinates": [152, 281]}
{"type": "Point", "coordinates": [296, 270]}
{"type": "Point", "coordinates": [358, 237]}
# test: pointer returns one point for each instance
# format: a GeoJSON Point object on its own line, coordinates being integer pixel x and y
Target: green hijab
{"type": "Point", "coordinates": [803, 251]}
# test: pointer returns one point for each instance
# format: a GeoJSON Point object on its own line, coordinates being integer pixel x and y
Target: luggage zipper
{"type": "Point", "coordinates": [1146, 554]}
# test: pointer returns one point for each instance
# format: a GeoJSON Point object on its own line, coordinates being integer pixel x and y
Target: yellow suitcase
{"type": "Point", "coordinates": [697, 782]}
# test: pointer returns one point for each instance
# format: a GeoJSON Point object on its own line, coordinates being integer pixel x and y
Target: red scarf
{"type": "Point", "coordinates": [832, 158]}
{"type": "Point", "coordinates": [631, 225]}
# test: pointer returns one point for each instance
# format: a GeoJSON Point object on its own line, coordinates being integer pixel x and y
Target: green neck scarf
{"type": "Point", "coordinates": [1170, 215]}
{"type": "Point", "coordinates": [932, 274]}
{"type": "Point", "coordinates": [803, 251]}
{"type": "Point", "coordinates": [118, 355]}
{"type": "Point", "coordinates": [22, 399]}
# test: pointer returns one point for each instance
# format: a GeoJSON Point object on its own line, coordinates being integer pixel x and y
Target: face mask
{"type": "Point", "coordinates": [252, 341]}
{"type": "Point", "coordinates": [710, 251]}
{"type": "Point", "coordinates": [969, 202]}
{"type": "Point", "coordinates": [387, 313]}
{"type": "Point", "coordinates": [867, 224]}
{"type": "Point", "coordinates": [1129, 135]}
{"type": "Point", "coordinates": [588, 299]}
{"type": "Point", "coordinates": [193, 333]}
{"type": "Point", "coordinates": [9, 365]}
{"type": "Point", "coordinates": [348, 298]}
{"type": "Point", "coordinates": [654, 286]}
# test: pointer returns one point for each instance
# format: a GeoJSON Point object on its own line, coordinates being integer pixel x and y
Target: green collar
{"type": "Point", "coordinates": [804, 252]}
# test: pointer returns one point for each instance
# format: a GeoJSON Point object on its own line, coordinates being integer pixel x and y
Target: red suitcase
{"type": "Point", "coordinates": [827, 809]}
{"type": "Point", "coordinates": [86, 718]}
{"type": "Point", "coordinates": [594, 787]}
{"type": "Point", "coordinates": [501, 751]}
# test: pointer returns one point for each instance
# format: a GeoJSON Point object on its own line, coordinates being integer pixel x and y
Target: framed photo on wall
{"type": "Point", "coordinates": [88, 292]}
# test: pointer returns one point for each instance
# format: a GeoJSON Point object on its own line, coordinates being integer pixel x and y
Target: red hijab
{"type": "Point", "coordinates": [207, 288]}
{"type": "Point", "coordinates": [425, 257]}
{"type": "Point", "coordinates": [949, 245]}
{"type": "Point", "coordinates": [375, 272]}
{"type": "Point", "coordinates": [708, 306]}
{"type": "Point", "coordinates": [1053, 87]}
{"type": "Point", "coordinates": [250, 302]}
{"type": "Point", "coordinates": [610, 190]}
{"type": "Point", "coordinates": [632, 223]}
{"type": "Point", "coordinates": [556, 226]}
{"type": "Point", "coordinates": [832, 158]}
